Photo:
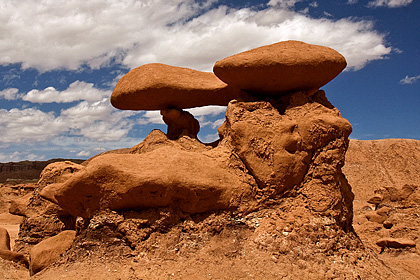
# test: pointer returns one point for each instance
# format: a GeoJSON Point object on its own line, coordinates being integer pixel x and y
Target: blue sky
{"type": "Point", "coordinates": [60, 61]}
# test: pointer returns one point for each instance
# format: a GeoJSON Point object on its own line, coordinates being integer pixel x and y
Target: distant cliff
{"type": "Point", "coordinates": [26, 170]}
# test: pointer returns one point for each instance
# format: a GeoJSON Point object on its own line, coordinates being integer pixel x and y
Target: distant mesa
{"type": "Point", "coordinates": [25, 171]}
{"type": "Point", "coordinates": [281, 67]}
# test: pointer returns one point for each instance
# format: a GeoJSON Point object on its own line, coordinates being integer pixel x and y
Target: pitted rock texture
{"type": "Point", "coordinates": [297, 143]}
{"type": "Point", "coordinates": [385, 179]}
{"type": "Point", "coordinates": [43, 218]}
{"type": "Point", "coordinates": [294, 143]}
{"type": "Point", "coordinates": [158, 86]}
{"type": "Point", "coordinates": [281, 67]}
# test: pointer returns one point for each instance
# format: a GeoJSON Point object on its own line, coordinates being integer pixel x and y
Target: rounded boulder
{"type": "Point", "coordinates": [49, 250]}
{"type": "Point", "coordinates": [281, 67]}
{"type": "Point", "coordinates": [158, 86]}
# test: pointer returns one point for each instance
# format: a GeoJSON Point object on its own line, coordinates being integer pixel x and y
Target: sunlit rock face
{"type": "Point", "coordinates": [281, 138]}
{"type": "Point", "coordinates": [281, 67]}
{"type": "Point", "coordinates": [293, 143]}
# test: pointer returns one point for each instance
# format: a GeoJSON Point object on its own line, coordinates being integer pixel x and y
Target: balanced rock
{"type": "Point", "coordinates": [49, 250]}
{"type": "Point", "coordinates": [267, 147]}
{"type": "Point", "coordinates": [158, 86]}
{"type": "Point", "coordinates": [281, 67]}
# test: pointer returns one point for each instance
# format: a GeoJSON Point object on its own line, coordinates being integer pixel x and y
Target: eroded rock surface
{"type": "Point", "coordinates": [294, 143]}
{"type": "Point", "coordinates": [189, 180]}
{"type": "Point", "coordinates": [5, 252]}
{"type": "Point", "coordinates": [42, 218]}
{"type": "Point", "coordinates": [180, 123]}
{"type": "Point", "coordinates": [271, 190]}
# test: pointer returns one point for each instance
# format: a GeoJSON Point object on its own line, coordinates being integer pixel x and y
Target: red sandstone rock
{"type": "Point", "coordinates": [14, 257]}
{"type": "Point", "coordinates": [166, 176]}
{"type": "Point", "coordinates": [158, 86]}
{"type": "Point", "coordinates": [43, 218]}
{"type": "Point", "coordinates": [298, 218]}
{"type": "Point", "coordinates": [4, 239]}
{"type": "Point", "coordinates": [281, 67]}
{"type": "Point", "coordinates": [180, 123]}
{"type": "Point", "coordinates": [281, 144]}
{"type": "Point", "coordinates": [296, 140]}
{"type": "Point", "coordinates": [19, 206]}
{"type": "Point", "coordinates": [395, 242]}
{"type": "Point", "coordinates": [376, 199]}
{"type": "Point", "coordinates": [49, 250]}
{"type": "Point", "coordinates": [58, 172]}
{"type": "Point", "coordinates": [5, 252]}
{"type": "Point", "coordinates": [375, 218]}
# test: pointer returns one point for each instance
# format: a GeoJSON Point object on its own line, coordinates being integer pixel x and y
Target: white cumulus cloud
{"type": "Point", "coordinates": [51, 35]}
{"type": "Point", "coordinates": [19, 156]}
{"type": "Point", "coordinates": [93, 120]}
{"type": "Point", "coordinates": [76, 91]}
{"type": "Point", "coordinates": [202, 114]}
{"type": "Point", "coordinates": [389, 3]}
{"type": "Point", "coordinates": [10, 94]}
{"type": "Point", "coordinates": [83, 154]}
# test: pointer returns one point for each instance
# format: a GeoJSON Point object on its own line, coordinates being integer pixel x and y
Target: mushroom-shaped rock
{"type": "Point", "coordinates": [281, 67]}
{"type": "Point", "coordinates": [158, 86]}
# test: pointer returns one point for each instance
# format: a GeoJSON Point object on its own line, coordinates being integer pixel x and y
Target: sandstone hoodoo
{"type": "Point", "coordinates": [268, 146]}
{"type": "Point", "coordinates": [271, 189]}
{"type": "Point", "coordinates": [281, 67]}
{"type": "Point", "coordinates": [158, 86]}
